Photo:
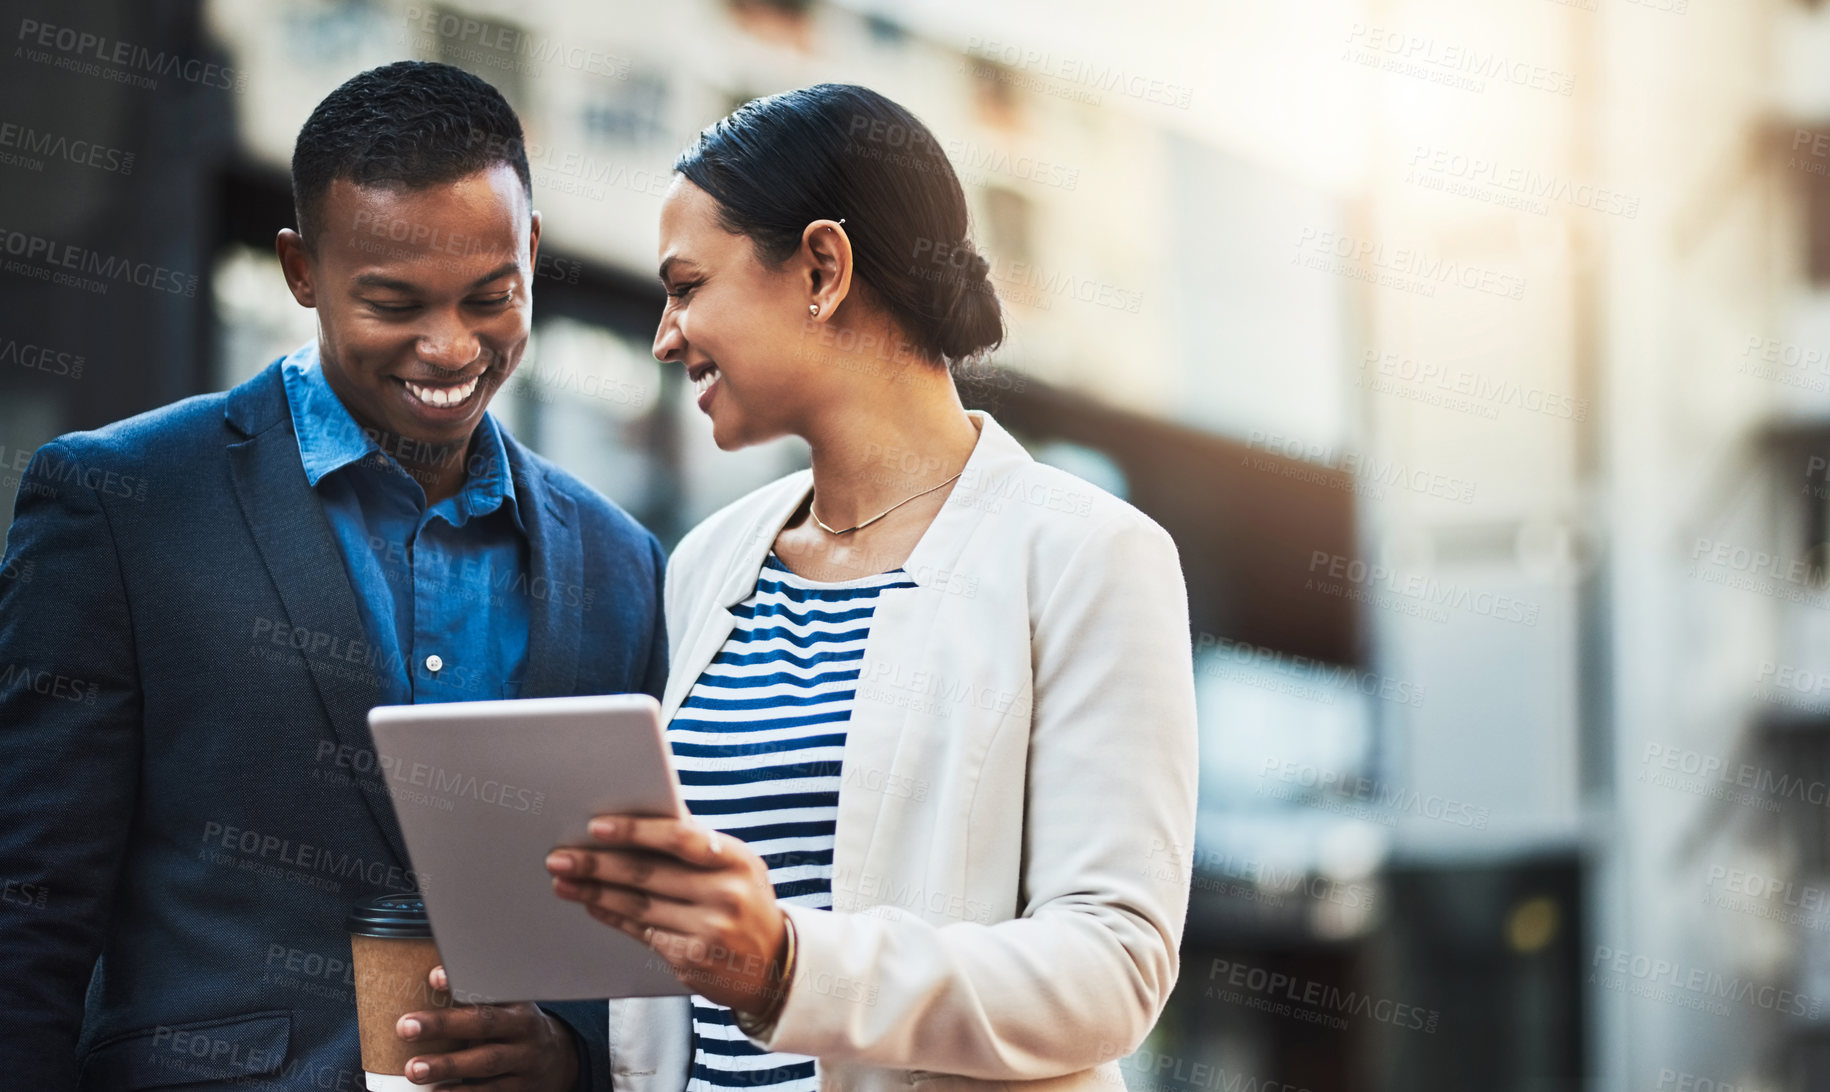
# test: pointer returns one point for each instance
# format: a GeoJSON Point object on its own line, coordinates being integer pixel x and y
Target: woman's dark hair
{"type": "Point", "coordinates": [411, 123]}
{"type": "Point", "coordinates": [835, 150]}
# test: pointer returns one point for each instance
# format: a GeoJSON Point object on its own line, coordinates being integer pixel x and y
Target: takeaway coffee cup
{"type": "Point", "coordinates": [392, 953]}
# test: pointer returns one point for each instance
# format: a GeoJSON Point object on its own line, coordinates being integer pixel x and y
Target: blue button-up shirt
{"type": "Point", "coordinates": [442, 589]}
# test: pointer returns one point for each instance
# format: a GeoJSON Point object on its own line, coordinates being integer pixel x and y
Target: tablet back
{"type": "Point", "coordinates": [483, 791]}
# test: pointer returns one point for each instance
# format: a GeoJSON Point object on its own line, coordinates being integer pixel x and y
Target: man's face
{"type": "Point", "coordinates": [424, 298]}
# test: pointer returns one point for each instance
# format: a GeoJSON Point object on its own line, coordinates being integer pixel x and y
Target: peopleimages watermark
{"type": "Point", "coordinates": [575, 172]}
{"type": "Point", "coordinates": [1817, 151]}
{"type": "Point", "coordinates": [978, 162]}
{"type": "Point", "coordinates": [1017, 282]}
{"type": "Point", "coordinates": [925, 692]}
{"type": "Point", "coordinates": [1302, 676]}
{"type": "Point", "coordinates": [1369, 472]}
{"type": "Point", "coordinates": [199, 1055]}
{"type": "Point", "coordinates": [1785, 362]}
{"type": "Point", "coordinates": [1749, 568]}
{"type": "Point", "coordinates": [1404, 269]}
{"type": "Point", "coordinates": [1152, 1068]}
{"type": "Point", "coordinates": [44, 475]}
{"type": "Point", "coordinates": [403, 239]}
{"type": "Point", "coordinates": [1792, 687]}
{"type": "Point", "coordinates": [330, 976]}
{"type": "Point", "coordinates": [1510, 186]}
{"type": "Point", "coordinates": [69, 265]}
{"type": "Point", "coordinates": [1702, 774]}
{"type": "Point", "coordinates": [1449, 64]}
{"type": "Point", "coordinates": [1461, 390]}
{"type": "Point", "coordinates": [894, 358]}
{"type": "Point", "coordinates": [1363, 797]}
{"type": "Point", "coordinates": [1818, 467]}
{"type": "Point", "coordinates": [34, 896]}
{"type": "Point", "coordinates": [440, 784]}
{"type": "Point", "coordinates": [117, 61]}
{"type": "Point", "coordinates": [1322, 1003]}
{"type": "Point", "coordinates": [1067, 76]}
{"type": "Point", "coordinates": [350, 657]}
{"type": "Point", "coordinates": [1677, 1081]}
{"type": "Point", "coordinates": [898, 466]}
{"type": "Point", "coordinates": [47, 683]}
{"type": "Point", "coordinates": [259, 852]}
{"type": "Point", "coordinates": [860, 892]}
{"type": "Point", "coordinates": [500, 45]}
{"type": "Point", "coordinates": [1769, 897]}
{"type": "Point", "coordinates": [1692, 987]}
{"type": "Point", "coordinates": [30, 148]}
{"type": "Point", "coordinates": [461, 576]}
{"type": "Point", "coordinates": [1380, 585]}
{"type": "Point", "coordinates": [1248, 878]}
{"type": "Point", "coordinates": [547, 384]}
{"type": "Point", "coordinates": [41, 358]}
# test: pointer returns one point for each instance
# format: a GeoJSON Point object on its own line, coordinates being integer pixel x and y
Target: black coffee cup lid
{"type": "Point", "coordinates": [402, 916]}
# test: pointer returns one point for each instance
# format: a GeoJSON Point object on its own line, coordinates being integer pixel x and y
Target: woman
{"type": "Point", "coordinates": [931, 701]}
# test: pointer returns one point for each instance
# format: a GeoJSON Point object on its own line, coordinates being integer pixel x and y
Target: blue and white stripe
{"type": "Point", "coordinates": [758, 744]}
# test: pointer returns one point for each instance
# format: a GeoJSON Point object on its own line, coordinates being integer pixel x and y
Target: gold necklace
{"type": "Point", "coordinates": [879, 515]}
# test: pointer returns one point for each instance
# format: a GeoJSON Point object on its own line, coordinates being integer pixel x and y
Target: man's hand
{"type": "Point", "coordinates": [702, 900]}
{"type": "Point", "coordinates": [513, 1048]}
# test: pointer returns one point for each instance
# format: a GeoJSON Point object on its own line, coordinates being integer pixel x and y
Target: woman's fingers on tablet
{"type": "Point", "coordinates": [691, 842]}
{"type": "Point", "coordinates": [639, 906]}
{"type": "Point", "coordinates": [638, 870]}
{"type": "Point", "coordinates": [702, 900]}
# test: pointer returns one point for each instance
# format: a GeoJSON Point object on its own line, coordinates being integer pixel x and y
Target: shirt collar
{"type": "Point", "coordinates": [487, 482]}
{"type": "Point", "coordinates": [330, 439]}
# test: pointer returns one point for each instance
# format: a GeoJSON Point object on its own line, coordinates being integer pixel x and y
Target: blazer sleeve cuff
{"type": "Point", "coordinates": [588, 1023]}
{"type": "Point", "coordinates": [820, 994]}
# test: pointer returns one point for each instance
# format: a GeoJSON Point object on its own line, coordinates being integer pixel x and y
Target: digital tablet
{"type": "Point", "coordinates": [483, 790]}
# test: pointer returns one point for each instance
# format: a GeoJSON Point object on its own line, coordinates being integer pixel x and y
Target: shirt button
{"type": "Point", "coordinates": [434, 663]}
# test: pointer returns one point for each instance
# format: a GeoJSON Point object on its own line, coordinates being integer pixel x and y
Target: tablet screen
{"type": "Point", "coordinates": [483, 791]}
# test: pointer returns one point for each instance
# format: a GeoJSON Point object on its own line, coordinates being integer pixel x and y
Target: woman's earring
{"type": "Point", "coordinates": [813, 309]}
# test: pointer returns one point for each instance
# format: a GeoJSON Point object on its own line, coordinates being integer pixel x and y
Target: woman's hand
{"type": "Point", "coordinates": [700, 899]}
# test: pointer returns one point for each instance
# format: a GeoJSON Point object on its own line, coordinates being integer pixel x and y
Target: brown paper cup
{"type": "Point", "coordinates": [390, 971]}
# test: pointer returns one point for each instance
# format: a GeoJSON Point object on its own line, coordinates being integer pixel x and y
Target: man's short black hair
{"type": "Point", "coordinates": [411, 123]}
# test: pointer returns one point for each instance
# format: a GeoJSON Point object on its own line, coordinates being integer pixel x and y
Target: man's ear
{"type": "Point", "coordinates": [533, 241]}
{"type": "Point", "coordinates": [297, 266]}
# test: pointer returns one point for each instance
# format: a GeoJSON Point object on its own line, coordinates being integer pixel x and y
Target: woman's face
{"type": "Point", "coordinates": [735, 325]}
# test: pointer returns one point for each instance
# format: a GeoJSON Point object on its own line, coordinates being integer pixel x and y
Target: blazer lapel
{"type": "Point", "coordinates": [703, 638]}
{"type": "Point", "coordinates": [302, 559]}
{"type": "Point", "coordinates": [707, 639]}
{"type": "Point", "coordinates": [556, 558]}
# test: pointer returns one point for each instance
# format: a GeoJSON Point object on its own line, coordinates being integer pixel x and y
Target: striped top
{"type": "Point", "coordinates": [758, 744]}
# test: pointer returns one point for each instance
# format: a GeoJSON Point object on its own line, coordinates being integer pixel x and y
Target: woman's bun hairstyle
{"type": "Point", "coordinates": [776, 164]}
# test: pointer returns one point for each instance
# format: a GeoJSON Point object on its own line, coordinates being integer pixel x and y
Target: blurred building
{"type": "Point", "coordinates": [1476, 355]}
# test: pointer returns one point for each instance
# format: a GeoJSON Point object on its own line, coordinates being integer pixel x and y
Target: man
{"type": "Point", "coordinates": [186, 773]}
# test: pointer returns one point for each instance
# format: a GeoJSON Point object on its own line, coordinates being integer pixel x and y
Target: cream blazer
{"type": "Point", "coordinates": [1017, 805]}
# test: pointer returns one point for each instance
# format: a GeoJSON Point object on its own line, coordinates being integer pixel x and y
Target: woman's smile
{"type": "Point", "coordinates": [705, 378]}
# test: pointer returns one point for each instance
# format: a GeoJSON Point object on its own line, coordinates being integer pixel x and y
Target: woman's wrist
{"type": "Point", "coordinates": [781, 975]}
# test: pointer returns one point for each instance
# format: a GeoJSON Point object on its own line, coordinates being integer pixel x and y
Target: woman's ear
{"type": "Point", "coordinates": [826, 266]}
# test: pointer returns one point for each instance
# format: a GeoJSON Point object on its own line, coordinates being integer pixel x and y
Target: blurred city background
{"type": "Point", "coordinates": [1475, 352]}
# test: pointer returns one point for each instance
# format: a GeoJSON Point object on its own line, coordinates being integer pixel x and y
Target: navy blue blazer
{"type": "Point", "coordinates": [189, 799]}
